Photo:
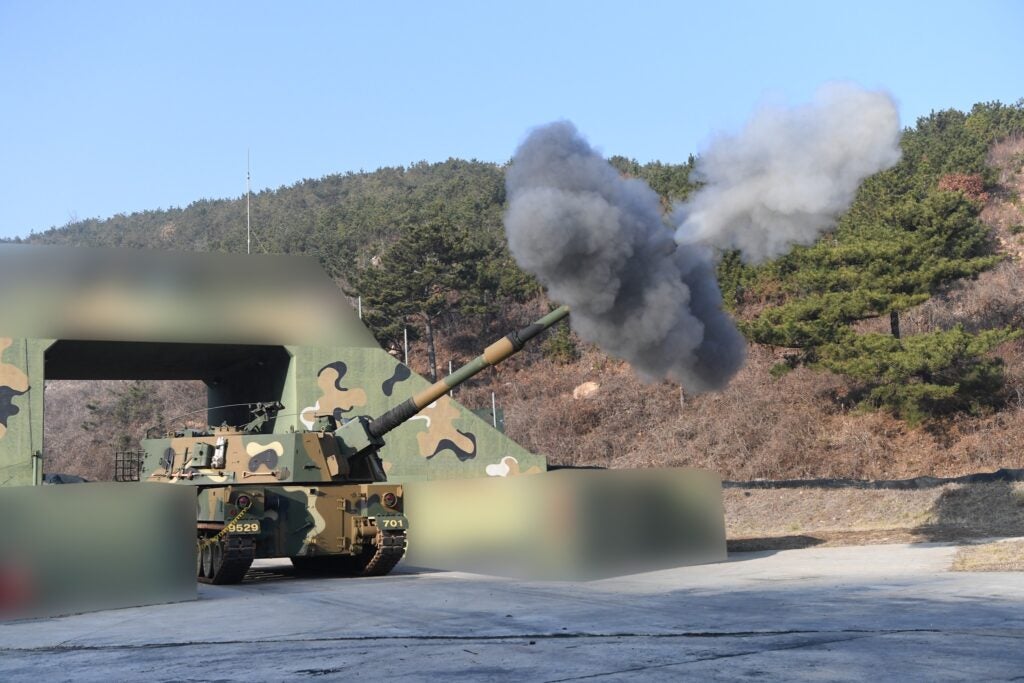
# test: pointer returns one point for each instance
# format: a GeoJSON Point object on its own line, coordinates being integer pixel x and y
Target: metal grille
{"type": "Point", "coordinates": [127, 465]}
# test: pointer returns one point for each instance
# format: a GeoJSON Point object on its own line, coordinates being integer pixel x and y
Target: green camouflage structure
{"type": "Point", "coordinates": [21, 413]}
{"type": "Point", "coordinates": [253, 328]}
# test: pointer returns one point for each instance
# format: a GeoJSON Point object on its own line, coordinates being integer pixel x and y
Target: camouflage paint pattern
{"type": "Point", "coordinates": [21, 410]}
{"type": "Point", "coordinates": [307, 457]}
{"type": "Point", "coordinates": [444, 441]}
{"type": "Point", "coordinates": [305, 521]}
{"type": "Point", "coordinates": [355, 377]}
{"type": "Point", "coordinates": [296, 484]}
{"type": "Point", "coordinates": [509, 467]}
{"type": "Point", "coordinates": [334, 399]}
{"type": "Point", "coordinates": [13, 382]}
{"type": "Point", "coordinates": [440, 433]}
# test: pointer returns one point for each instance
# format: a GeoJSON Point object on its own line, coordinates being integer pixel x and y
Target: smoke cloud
{"type": "Point", "coordinates": [599, 243]}
{"type": "Point", "coordinates": [786, 177]}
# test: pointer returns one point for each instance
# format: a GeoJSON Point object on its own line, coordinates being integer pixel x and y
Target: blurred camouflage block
{"type": "Point", "coordinates": [164, 296]}
{"type": "Point", "coordinates": [567, 524]}
{"type": "Point", "coordinates": [85, 547]}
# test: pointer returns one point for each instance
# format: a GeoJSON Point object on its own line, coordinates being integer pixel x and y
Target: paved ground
{"type": "Point", "coordinates": [874, 612]}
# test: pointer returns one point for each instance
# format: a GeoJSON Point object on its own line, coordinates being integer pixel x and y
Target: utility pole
{"type": "Point", "coordinates": [248, 191]}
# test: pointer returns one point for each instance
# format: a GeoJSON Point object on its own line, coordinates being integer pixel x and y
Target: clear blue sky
{"type": "Point", "coordinates": [111, 107]}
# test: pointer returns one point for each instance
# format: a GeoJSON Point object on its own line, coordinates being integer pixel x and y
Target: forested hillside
{"type": "Point", "coordinates": [890, 347]}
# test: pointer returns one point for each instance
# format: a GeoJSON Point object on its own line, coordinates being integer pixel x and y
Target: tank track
{"type": "Point", "coordinates": [236, 556]}
{"type": "Point", "coordinates": [390, 548]}
{"type": "Point", "coordinates": [375, 559]}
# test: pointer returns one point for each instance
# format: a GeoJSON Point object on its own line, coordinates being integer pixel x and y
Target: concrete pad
{"type": "Point", "coordinates": [882, 612]}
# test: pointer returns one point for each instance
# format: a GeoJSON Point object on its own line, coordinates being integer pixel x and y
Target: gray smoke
{"type": "Point", "coordinates": [599, 243]}
{"type": "Point", "coordinates": [787, 176]}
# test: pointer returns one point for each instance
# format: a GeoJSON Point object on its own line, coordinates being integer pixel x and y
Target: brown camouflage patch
{"type": "Point", "coordinates": [441, 433]}
{"type": "Point", "coordinates": [334, 399]}
{"type": "Point", "coordinates": [13, 382]}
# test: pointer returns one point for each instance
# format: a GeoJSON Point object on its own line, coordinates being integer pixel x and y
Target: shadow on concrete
{"type": "Point", "coordinates": [286, 572]}
{"type": "Point", "coordinates": [749, 545]}
{"type": "Point", "coordinates": [975, 511]}
{"type": "Point", "coordinates": [778, 624]}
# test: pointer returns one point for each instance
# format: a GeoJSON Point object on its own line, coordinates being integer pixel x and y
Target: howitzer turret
{"type": "Point", "coordinates": [319, 497]}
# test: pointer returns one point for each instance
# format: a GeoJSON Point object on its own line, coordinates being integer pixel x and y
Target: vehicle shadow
{"type": "Point", "coordinates": [795, 542]}
{"type": "Point", "coordinates": [976, 510]}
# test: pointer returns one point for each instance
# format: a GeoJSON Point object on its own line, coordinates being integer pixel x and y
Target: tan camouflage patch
{"type": "Point", "coordinates": [334, 399]}
{"type": "Point", "coordinates": [508, 467]}
{"type": "Point", "coordinates": [441, 433]}
{"type": "Point", "coordinates": [169, 459]}
{"type": "Point", "coordinates": [13, 382]}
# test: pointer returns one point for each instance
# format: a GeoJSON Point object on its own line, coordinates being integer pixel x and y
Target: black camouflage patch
{"type": "Point", "coordinates": [449, 445]}
{"type": "Point", "coordinates": [7, 407]}
{"type": "Point", "coordinates": [267, 457]}
{"type": "Point", "coordinates": [402, 373]}
{"type": "Point", "coordinates": [341, 368]}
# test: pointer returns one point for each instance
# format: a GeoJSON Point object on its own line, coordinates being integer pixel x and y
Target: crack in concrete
{"type": "Point", "coordinates": [476, 638]}
{"type": "Point", "coordinates": [730, 655]}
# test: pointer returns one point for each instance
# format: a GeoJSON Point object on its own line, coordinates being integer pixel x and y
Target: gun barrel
{"type": "Point", "coordinates": [492, 355]}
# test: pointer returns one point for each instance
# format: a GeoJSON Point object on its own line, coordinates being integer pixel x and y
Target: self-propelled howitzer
{"type": "Point", "coordinates": [319, 497]}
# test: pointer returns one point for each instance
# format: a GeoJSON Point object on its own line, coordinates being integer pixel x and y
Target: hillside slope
{"type": "Point", "coordinates": [794, 426]}
{"type": "Point", "coordinates": [766, 424]}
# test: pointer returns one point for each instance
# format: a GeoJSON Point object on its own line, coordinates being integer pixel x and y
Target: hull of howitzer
{"type": "Point", "coordinates": [280, 495]}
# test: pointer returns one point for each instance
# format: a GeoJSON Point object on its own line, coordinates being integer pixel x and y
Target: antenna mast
{"type": "Point", "coordinates": [248, 224]}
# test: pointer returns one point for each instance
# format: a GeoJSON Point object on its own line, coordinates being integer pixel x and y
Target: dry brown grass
{"type": "Point", "coordinates": [1006, 212]}
{"type": "Point", "coordinates": [77, 440]}
{"type": "Point", "coordinates": [1002, 556]}
{"type": "Point", "coordinates": [776, 518]}
{"type": "Point", "coordinates": [780, 512]}
{"type": "Point", "coordinates": [758, 428]}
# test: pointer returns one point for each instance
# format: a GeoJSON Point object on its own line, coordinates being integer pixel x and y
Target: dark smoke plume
{"type": "Point", "coordinates": [599, 243]}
